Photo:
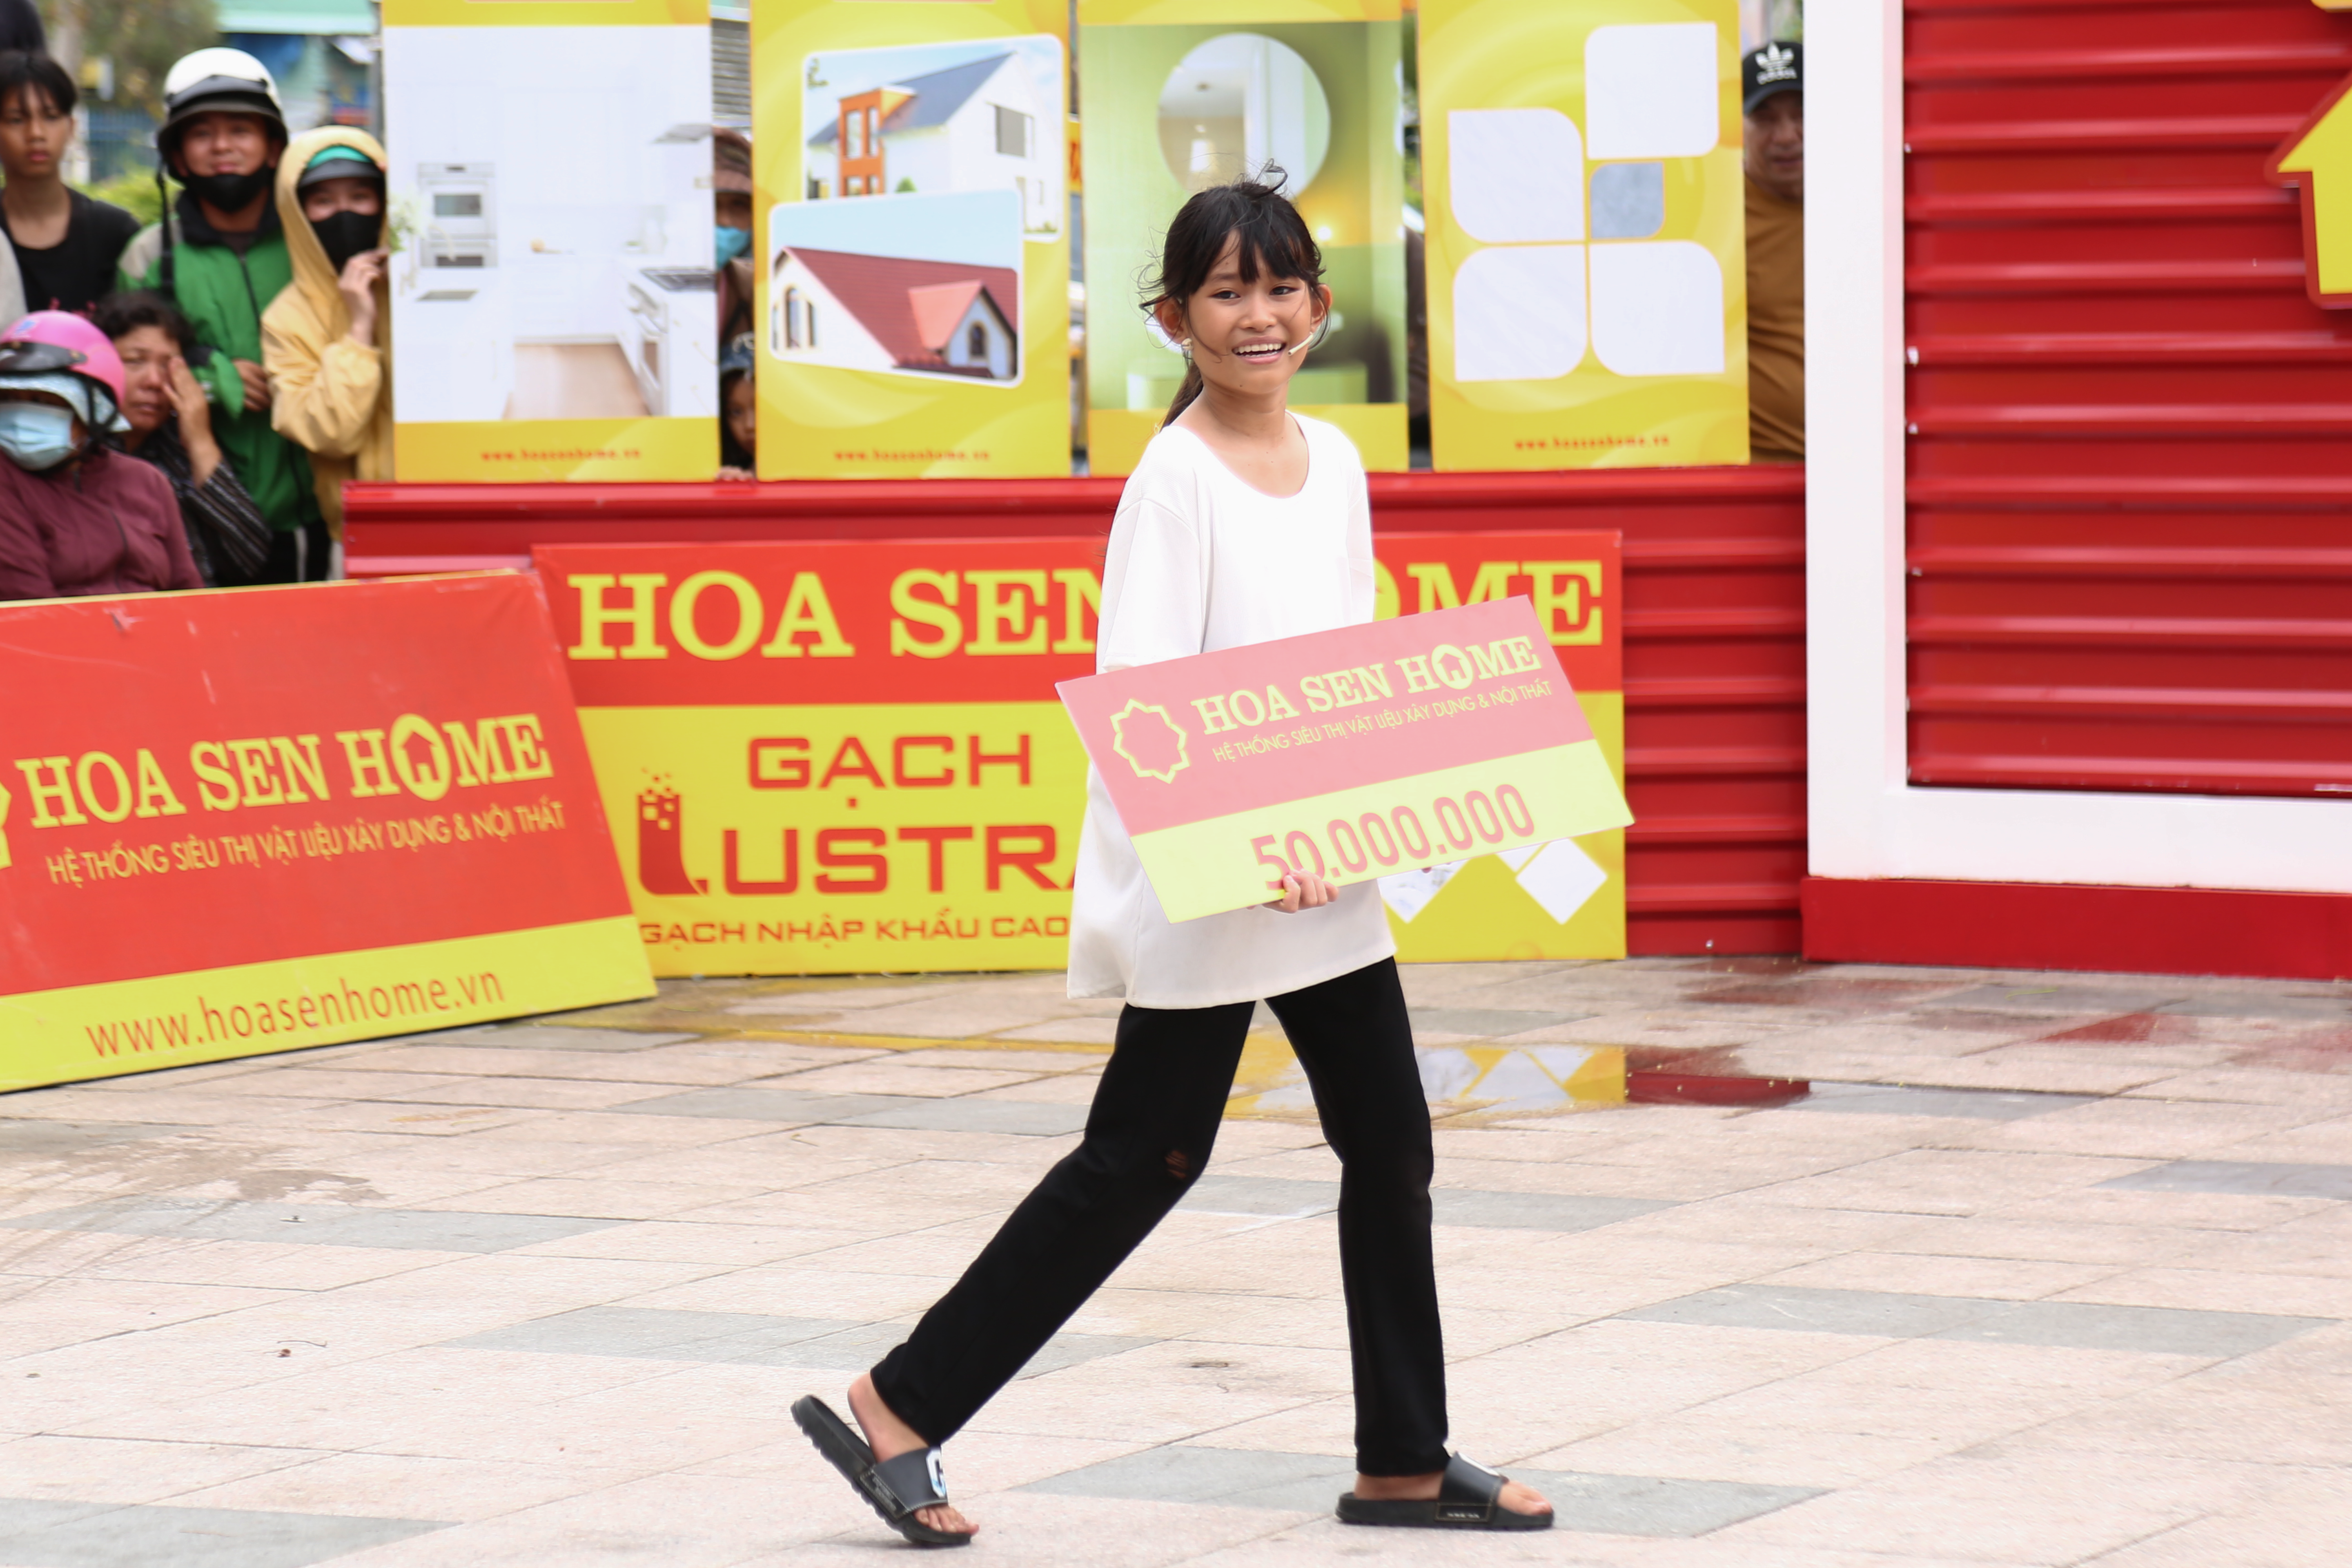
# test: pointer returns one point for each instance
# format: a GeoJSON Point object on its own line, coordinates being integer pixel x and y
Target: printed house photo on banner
{"type": "Point", "coordinates": [916, 285]}
{"type": "Point", "coordinates": [1172, 110]}
{"type": "Point", "coordinates": [936, 118]}
{"type": "Point", "coordinates": [558, 264]}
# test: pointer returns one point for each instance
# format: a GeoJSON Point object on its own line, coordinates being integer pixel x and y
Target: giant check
{"type": "Point", "coordinates": [1349, 753]}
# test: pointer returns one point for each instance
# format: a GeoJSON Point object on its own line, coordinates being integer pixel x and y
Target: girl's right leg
{"type": "Point", "coordinates": [1148, 1135]}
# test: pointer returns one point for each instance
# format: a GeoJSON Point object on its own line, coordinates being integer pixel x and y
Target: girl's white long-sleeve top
{"type": "Point", "coordinates": [1199, 562]}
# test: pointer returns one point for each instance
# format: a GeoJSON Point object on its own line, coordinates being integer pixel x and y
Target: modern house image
{"type": "Point", "coordinates": [895, 313]}
{"type": "Point", "coordinates": [978, 126]}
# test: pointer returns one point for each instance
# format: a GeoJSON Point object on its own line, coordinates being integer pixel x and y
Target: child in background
{"type": "Point", "coordinates": [739, 412]}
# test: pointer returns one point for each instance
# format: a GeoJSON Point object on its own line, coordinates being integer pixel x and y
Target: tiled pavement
{"type": "Point", "coordinates": [2044, 1269]}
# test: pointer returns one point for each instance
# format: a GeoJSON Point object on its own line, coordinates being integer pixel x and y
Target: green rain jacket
{"type": "Point", "coordinates": [223, 295]}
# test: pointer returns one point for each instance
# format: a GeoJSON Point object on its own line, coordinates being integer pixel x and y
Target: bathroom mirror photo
{"type": "Point", "coordinates": [1172, 108]}
{"type": "Point", "coordinates": [1239, 102]}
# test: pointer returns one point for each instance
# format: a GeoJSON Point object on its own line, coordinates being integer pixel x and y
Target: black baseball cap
{"type": "Point", "coordinates": [1774, 67]}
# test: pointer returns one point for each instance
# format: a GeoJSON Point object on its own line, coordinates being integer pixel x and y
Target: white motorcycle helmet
{"type": "Point", "coordinates": [210, 80]}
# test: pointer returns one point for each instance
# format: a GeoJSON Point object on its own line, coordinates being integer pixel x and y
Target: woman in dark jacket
{"type": "Point", "coordinates": [171, 429]}
{"type": "Point", "coordinates": [74, 518]}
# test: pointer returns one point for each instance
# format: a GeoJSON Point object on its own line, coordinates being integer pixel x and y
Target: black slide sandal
{"type": "Point", "coordinates": [896, 1487]}
{"type": "Point", "coordinates": [1465, 1500]}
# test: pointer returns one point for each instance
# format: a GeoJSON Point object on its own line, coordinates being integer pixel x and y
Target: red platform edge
{"type": "Point", "coordinates": [2025, 925]}
{"type": "Point", "coordinates": [1714, 624]}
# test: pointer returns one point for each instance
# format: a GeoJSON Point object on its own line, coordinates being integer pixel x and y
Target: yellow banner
{"type": "Point", "coordinates": [845, 838]}
{"type": "Point", "coordinates": [1244, 13]}
{"type": "Point", "coordinates": [1565, 899]}
{"type": "Point", "coordinates": [1371, 831]}
{"type": "Point", "coordinates": [553, 303]}
{"type": "Point", "coordinates": [551, 450]}
{"type": "Point", "coordinates": [1586, 233]}
{"type": "Point", "coordinates": [1180, 95]}
{"type": "Point", "coordinates": [911, 186]}
{"type": "Point", "coordinates": [546, 13]}
{"type": "Point", "coordinates": [175, 1020]}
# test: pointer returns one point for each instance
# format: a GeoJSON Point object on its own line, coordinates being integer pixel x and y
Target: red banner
{"type": "Point", "coordinates": [838, 756]}
{"type": "Point", "coordinates": [254, 820]}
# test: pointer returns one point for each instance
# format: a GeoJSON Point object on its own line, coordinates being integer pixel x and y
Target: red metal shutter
{"type": "Point", "coordinates": [2130, 521]}
{"type": "Point", "coordinates": [1715, 680]}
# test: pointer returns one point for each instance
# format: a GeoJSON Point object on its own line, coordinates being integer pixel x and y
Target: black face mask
{"type": "Point", "coordinates": [230, 193]}
{"type": "Point", "coordinates": [346, 234]}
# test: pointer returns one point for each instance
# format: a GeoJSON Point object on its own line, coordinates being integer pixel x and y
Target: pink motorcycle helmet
{"type": "Point", "coordinates": [55, 351]}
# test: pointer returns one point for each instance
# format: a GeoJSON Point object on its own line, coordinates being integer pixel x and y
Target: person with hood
{"type": "Point", "coordinates": [323, 340]}
{"type": "Point", "coordinates": [76, 518]}
{"type": "Point", "coordinates": [222, 258]}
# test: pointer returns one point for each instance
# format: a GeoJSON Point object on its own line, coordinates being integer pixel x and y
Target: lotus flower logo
{"type": "Point", "coordinates": [1152, 743]}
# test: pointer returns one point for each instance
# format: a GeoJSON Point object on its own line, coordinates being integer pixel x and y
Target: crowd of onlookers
{"type": "Point", "coordinates": [181, 404]}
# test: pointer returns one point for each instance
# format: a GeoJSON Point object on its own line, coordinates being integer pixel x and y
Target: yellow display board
{"type": "Point", "coordinates": [848, 755]}
{"type": "Point", "coordinates": [1586, 233]}
{"type": "Point", "coordinates": [553, 314]}
{"type": "Point", "coordinates": [835, 757]}
{"type": "Point", "coordinates": [1182, 93]}
{"type": "Point", "coordinates": [911, 183]}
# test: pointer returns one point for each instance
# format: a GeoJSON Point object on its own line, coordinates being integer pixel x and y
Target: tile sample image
{"type": "Point", "coordinates": [1586, 242]}
{"type": "Point", "coordinates": [913, 285]}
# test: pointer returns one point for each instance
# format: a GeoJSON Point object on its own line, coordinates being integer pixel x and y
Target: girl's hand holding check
{"type": "Point", "coordinates": [1301, 891]}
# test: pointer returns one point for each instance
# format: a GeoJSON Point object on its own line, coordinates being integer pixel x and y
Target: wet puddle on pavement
{"type": "Point", "coordinates": [1492, 1082]}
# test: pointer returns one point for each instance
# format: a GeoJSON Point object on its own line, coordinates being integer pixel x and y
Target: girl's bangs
{"type": "Point", "coordinates": [1264, 246]}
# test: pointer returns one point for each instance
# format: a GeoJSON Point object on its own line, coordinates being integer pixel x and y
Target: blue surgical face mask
{"type": "Point", "coordinates": [36, 436]}
{"type": "Point", "coordinates": [732, 243]}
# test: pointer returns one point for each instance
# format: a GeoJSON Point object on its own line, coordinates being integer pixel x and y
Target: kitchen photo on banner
{"type": "Point", "coordinates": [1177, 97]}
{"type": "Point", "coordinates": [911, 180]}
{"type": "Point", "coordinates": [554, 302]}
{"type": "Point", "coordinates": [1588, 297]}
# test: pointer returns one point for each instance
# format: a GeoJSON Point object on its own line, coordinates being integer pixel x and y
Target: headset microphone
{"type": "Point", "coordinates": [1310, 343]}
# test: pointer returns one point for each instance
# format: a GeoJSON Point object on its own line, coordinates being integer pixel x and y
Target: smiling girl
{"type": "Point", "coordinates": [1242, 523]}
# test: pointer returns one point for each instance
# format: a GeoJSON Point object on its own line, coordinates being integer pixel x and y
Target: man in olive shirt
{"type": "Point", "coordinates": [1774, 84]}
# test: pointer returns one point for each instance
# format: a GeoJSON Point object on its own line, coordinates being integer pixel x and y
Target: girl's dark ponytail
{"type": "Point", "coordinates": [1185, 395]}
{"type": "Point", "coordinates": [1273, 239]}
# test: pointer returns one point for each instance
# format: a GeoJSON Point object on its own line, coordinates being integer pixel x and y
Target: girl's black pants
{"type": "Point", "coordinates": [1148, 1135]}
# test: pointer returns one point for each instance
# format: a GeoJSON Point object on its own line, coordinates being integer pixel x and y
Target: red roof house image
{"type": "Point", "coordinates": [895, 314]}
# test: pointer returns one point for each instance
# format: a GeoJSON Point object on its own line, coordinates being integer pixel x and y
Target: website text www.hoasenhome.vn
{"type": "Point", "coordinates": [212, 1023]}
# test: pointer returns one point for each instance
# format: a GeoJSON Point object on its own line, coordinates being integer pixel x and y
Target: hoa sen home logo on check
{"type": "Point", "coordinates": [1545, 286]}
{"type": "Point", "coordinates": [1152, 742]}
{"type": "Point", "coordinates": [1154, 745]}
